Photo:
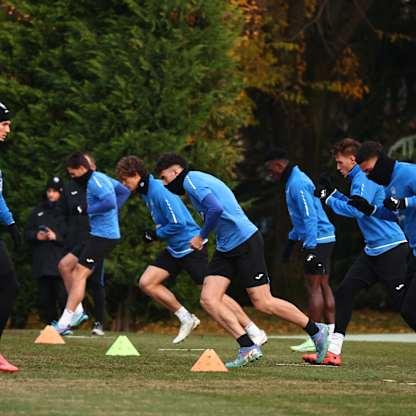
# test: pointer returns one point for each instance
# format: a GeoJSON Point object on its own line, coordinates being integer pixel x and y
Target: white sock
{"type": "Point", "coordinates": [335, 346]}
{"type": "Point", "coordinates": [331, 328]}
{"type": "Point", "coordinates": [183, 314]}
{"type": "Point", "coordinates": [79, 310]}
{"type": "Point", "coordinates": [66, 318]}
{"type": "Point", "coordinates": [252, 329]}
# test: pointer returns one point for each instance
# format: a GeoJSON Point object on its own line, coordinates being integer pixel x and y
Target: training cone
{"type": "Point", "coordinates": [122, 346]}
{"type": "Point", "coordinates": [209, 361]}
{"type": "Point", "coordinates": [49, 335]}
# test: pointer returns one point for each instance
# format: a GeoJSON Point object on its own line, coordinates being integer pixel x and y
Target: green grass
{"type": "Point", "coordinates": [78, 379]}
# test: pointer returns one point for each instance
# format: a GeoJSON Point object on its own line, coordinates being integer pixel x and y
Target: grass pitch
{"type": "Point", "coordinates": [78, 379]}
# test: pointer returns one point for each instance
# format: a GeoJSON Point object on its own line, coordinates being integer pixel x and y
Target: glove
{"type": "Point", "coordinates": [287, 250]}
{"type": "Point", "coordinates": [80, 209]}
{"type": "Point", "coordinates": [149, 236]}
{"type": "Point", "coordinates": [362, 205]}
{"type": "Point", "coordinates": [325, 187]}
{"type": "Point", "coordinates": [393, 204]}
{"type": "Point", "coordinates": [312, 263]}
{"type": "Point", "coordinates": [15, 234]}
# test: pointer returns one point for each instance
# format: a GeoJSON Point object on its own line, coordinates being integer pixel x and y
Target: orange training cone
{"type": "Point", "coordinates": [209, 361]}
{"type": "Point", "coordinates": [49, 335]}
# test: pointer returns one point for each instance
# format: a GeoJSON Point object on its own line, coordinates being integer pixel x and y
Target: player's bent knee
{"type": "Point", "coordinates": [144, 286]}
{"type": "Point", "coordinates": [63, 267]}
{"type": "Point", "coordinates": [207, 303]}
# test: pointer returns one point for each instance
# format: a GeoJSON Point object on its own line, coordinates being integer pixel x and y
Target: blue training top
{"type": "Point", "coordinates": [379, 235]}
{"type": "Point", "coordinates": [6, 216]}
{"type": "Point", "coordinates": [173, 221]}
{"type": "Point", "coordinates": [402, 185]}
{"type": "Point", "coordinates": [232, 227]}
{"type": "Point", "coordinates": [102, 206]}
{"type": "Point", "coordinates": [310, 222]}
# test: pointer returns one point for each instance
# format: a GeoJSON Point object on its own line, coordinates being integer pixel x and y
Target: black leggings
{"type": "Point", "coordinates": [408, 308]}
{"type": "Point", "coordinates": [52, 297]}
{"type": "Point", "coordinates": [96, 287]}
{"type": "Point", "coordinates": [8, 286]}
{"type": "Point", "coordinates": [390, 268]}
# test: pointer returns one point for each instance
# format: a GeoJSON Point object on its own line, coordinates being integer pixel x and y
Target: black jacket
{"type": "Point", "coordinates": [46, 254]}
{"type": "Point", "coordinates": [73, 206]}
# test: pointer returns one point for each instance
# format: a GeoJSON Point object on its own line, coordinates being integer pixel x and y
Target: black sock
{"type": "Point", "coordinates": [311, 328]}
{"type": "Point", "coordinates": [245, 341]}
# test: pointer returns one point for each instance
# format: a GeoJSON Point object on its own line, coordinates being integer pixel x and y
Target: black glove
{"type": "Point", "coordinates": [325, 187]}
{"type": "Point", "coordinates": [362, 205]}
{"type": "Point", "coordinates": [80, 209]}
{"type": "Point", "coordinates": [393, 204]}
{"type": "Point", "coordinates": [312, 263]}
{"type": "Point", "coordinates": [149, 236]}
{"type": "Point", "coordinates": [15, 234]}
{"type": "Point", "coordinates": [287, 250]}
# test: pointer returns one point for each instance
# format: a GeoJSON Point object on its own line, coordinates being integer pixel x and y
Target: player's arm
{"type": "Point", "coordinates": [104, 202]}
{"type": "Point", "coordinates": [338, 202]}
{"type": "Point", "coordinates": [122, 192]}
{"type": "Point", "coordinates": [304, 203]}
{"type": "Point", "coordinates": [293, 235]}
{"type": "Point", "coordinates": [6, 218]}
{"type": "Point", "coordinates": [209, 205]}
{"type": "Point", "coordinates": [212, 209]}
{"type": "Point", "coordinates": [175, 223]}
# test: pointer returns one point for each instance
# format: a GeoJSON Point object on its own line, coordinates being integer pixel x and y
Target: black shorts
{"type": "Point", "coordinates": [94, 251]}
{"type": "Point", "coordinates": [195, 263]}
{"type": "Point", "coordinates": [245, 262]}
{"type": "Point", "coordinates": [390, 268]}
{"type": "Point", "coordinates": [97, 276]}
{"type": "Point", "coordinates": [324, 253]}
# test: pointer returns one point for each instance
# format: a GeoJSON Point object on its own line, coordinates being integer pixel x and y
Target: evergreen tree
{"type": "Point", "coordinates": [115, 78]}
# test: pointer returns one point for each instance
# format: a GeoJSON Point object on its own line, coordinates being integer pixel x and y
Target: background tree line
{"type": "Point", "coordinates": [219, 81]}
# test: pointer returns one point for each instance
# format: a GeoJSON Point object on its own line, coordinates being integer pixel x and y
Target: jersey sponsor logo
{"type": "Point", "coordinates": [400, 286]}
{"type": "Point", "coordinates": [259, 276]}
{"type": "Point", "coordinates": [74, 192]}
{"type": "Point", "coordinates": [88, 260]}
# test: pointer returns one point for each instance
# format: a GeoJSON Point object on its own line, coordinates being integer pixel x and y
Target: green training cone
{"type": "Point", "coordinates": [122, 346]}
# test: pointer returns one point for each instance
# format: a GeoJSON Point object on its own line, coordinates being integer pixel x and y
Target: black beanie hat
{"type": "Point", "coordinates": [54, 183]}
{"type": "Point", "coordinates": [4, 113]}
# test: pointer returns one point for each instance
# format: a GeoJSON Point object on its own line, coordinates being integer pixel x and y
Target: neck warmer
{"type": "Point", "coordinates": [176, 186]}
{"type": "Point", "coordinates": [382, 170]}
{"type": "Point", "coordinates": [288, 170]}
{"type": "Point", "coordinates": [83, 180]}
{"type": "Point", "coordinates": [143, 186]}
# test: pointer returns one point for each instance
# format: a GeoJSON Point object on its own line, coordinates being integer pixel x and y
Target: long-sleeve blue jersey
{"type": "Point", "coordinates": [102, 206]}
{"type": "Point", "coordinates": [6, 216]}
{"type": "Point", "coordinates": [232, 227]}
{"type": "Point", "coordinates": [173, 221]}
{"type": "Point", "coordinates": [402, 185]}
{"type": "Point", "coordinates": [379, 235]}
{"type": "Point", "coordinates": [310, 222]}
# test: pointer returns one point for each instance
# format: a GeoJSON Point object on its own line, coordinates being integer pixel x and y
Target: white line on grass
{"type": "Point", "coordinates": [398, 337]}
{"type": "Point", "coordinates": [304, 365]}
{"type": "Point", "coordinates": [181, 349]}
{"type": "Point", "coordinates": [87, 337]}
